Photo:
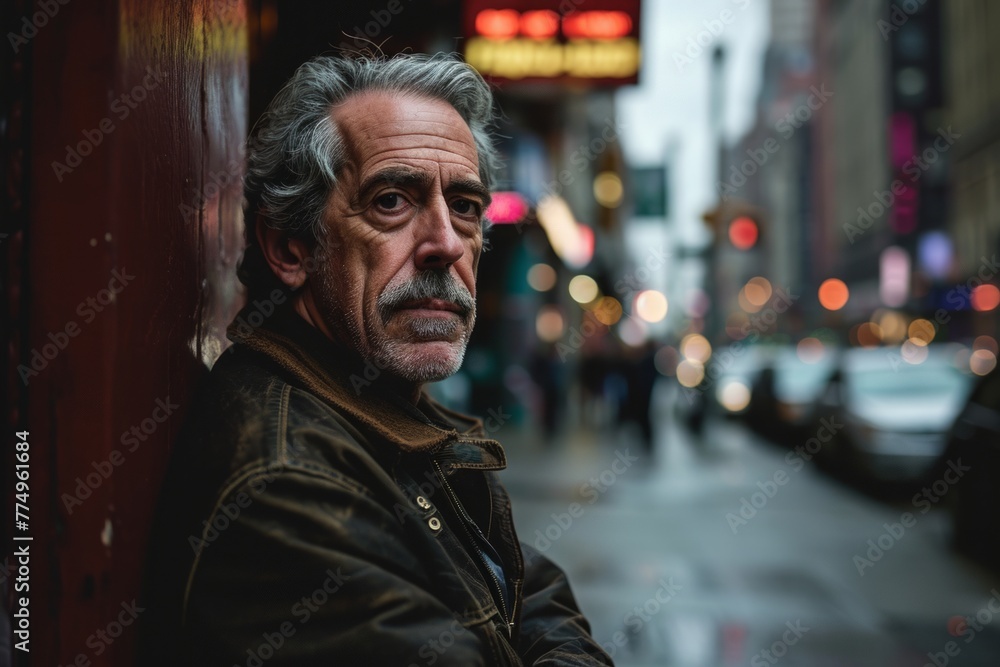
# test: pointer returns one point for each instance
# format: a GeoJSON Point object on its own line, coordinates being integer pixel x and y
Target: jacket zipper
{"type": "Point", "coordinates": [472, 539]}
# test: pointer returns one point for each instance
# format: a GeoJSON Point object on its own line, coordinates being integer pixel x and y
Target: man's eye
{"type": "Point", "coordinates": [389, 202]}
{"type": "Point", "coordinates": [466, 207]}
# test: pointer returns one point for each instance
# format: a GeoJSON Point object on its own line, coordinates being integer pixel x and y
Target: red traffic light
{"type": "Point", "coordinates": [743, 232]}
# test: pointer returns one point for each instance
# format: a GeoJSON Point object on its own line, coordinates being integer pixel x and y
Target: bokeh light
{"type": "Point", "coordinates": [498, 23]}
{"type": "Point", "coordinates": [745, 303]}
{"type": "Point", "coordinates": [651, 305]}
{"type": "Point", "coordinates": [758, 290]}
{"type": "Point", "coordinates": [894, 276]}
{"type": "Point", "coordinates": [810, 350]}
{"type": "Point", "coordinates": [982, 362]}
{"type": "Point", "coordinates": [985, 298]}
{"type": "Point", "coordinates": [734, 396]}
{"type": "Point", "coordinates": [986, 343]}
{"type": "Point", "coordinates": [696, 347]}
{"type": "Point", "coordinates": [743, 233]}
{"type": "Point", "coordinates": [583, 289]}
{"type": "Point", "coordinates": [539, 24]}
{"type": "Point", "coordinates": [921, 331]}
{"type": "Point", "coordinates": [690, 373]}
{"type": "Point", "coordinates": [607, 310]}
{"type": "Point", "coordinates": [542, 277]}
{"type": "Point", "coordinates": [868, 334]}
{"type": "Point", "coordinates": [608, 189]}
{"type": "Point", "coordinates": [913, 353]}
{"type": "Point", "coordinates": [572, 242]}
{"type": "Point", "coordinates": [506, 208]}
{"type": "Point", "coordinates": [892, 324]}
{"type": "Point", "coordinates": [833, 294]}
{"type": "Point", "coordinates": [632, 332]}
{"type": "Point", "coordinates": [549, 324]}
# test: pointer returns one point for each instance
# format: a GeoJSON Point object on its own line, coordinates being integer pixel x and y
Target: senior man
{"type": "Point", "coordinates": [333, 513]}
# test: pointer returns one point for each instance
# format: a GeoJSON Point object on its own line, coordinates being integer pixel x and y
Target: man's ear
{"type": "Point", "coordinates": [285, 255]}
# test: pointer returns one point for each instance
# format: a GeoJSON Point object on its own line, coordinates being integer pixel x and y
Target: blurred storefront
{"type": "Point", "coordinates": [556, 67]}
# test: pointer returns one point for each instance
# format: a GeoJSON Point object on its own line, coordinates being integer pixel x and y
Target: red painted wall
{"type": "Point", "coordinates": [138, 116]}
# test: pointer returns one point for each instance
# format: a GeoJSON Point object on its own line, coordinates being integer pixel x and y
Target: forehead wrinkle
{"type": "Point", "coordinates": [405, 158]}
{"type": "Point", "coordinates": [419, 141]}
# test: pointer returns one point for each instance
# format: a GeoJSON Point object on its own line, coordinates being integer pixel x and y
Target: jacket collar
{"type": "Point", "coordinates": [342, 379]}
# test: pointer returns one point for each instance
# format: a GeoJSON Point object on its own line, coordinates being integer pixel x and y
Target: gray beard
{"type": "Point", "coordinates": [391, 355]}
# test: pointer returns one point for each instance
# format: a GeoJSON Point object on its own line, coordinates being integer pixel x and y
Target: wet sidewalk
{"type": "Point", "coordinates": [720, 552]}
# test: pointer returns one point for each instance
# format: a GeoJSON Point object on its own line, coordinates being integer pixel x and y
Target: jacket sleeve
{"type": "Point", "coordinates": [554, 631]}
{"type": "Point", "coordinates": [302, 568]}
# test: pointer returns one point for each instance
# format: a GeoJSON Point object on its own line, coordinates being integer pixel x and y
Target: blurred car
{"type": "Point", "coordinates": [883, 418]}
{"type": "Point", "coordinates": [974, 449]}
{"type": "Point", "coordinates": [787, 390]}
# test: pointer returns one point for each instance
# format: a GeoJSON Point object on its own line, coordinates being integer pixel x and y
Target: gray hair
{"type": "Point", "coordinates": [298, 150]}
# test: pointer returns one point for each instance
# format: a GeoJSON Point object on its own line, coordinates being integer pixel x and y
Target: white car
{"type": "Point", "coordinates": [894, 414]}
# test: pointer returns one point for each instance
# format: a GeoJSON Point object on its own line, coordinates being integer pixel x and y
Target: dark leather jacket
{"type": "Point", "coordinates": [311, 519]}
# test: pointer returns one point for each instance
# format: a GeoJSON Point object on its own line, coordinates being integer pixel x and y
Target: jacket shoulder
{"type": "Point", "coordinates": [250, 416]}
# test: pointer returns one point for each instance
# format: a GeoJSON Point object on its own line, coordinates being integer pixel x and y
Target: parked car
{"type": "Point", "coordinates": [786, 391]}
{"type": "Point", "coordinates": [888, 419]}
{"type": "Point", "coordinates": [970, 468]}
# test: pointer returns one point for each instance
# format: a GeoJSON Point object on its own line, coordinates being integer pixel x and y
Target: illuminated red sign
{"type": "Point", "coordinates": [563, 40]}
{"type": "Point", "coordinates": [507, 208]}
{"type": "Point", "coordinates": [598, 25]}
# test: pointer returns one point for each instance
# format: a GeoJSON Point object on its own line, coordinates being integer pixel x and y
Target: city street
{"type": "Point", "coordinates": [674, 568]}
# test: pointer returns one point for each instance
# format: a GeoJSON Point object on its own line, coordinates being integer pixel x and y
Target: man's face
{"type": "Point", "coordinates": [404, 236]}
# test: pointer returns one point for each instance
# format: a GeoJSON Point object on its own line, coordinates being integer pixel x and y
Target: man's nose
{"type": "Point", "coordinates": [439, 244]}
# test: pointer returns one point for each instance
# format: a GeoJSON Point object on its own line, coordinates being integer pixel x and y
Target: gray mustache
{"type": "Point", "coordinates": [431, 284]}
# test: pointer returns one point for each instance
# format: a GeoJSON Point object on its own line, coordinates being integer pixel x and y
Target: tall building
{"type": "Point", "coordinates": [851, 156]}
{"type": "Point", "coordinates": [766, 173]}
{"type": "Point", "coordinates": [882, 154]}
{"type": "Point", "coordinates": [973, 68]}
